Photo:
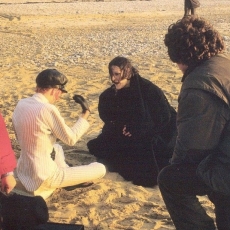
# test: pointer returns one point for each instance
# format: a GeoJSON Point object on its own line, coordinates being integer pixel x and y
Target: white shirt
{"type": "Point", "coordinates": [37, 125]}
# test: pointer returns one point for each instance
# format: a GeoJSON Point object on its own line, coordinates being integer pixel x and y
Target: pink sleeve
{"type": "Point", "coordinates": [7, 156]}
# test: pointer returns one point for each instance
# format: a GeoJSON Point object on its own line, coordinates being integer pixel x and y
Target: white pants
{"type": "Point", "coordinates": [69, 176]}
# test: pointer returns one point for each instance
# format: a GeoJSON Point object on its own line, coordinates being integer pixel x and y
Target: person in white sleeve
{"type": "Point", "coordinates": [38, 124]}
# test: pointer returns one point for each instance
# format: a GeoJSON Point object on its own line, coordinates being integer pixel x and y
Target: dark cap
{"type": "Point", "coordinates": [51, 78]}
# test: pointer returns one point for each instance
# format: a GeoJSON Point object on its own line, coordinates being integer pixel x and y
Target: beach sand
{"type": "Point", "coordinates": [79, 38]}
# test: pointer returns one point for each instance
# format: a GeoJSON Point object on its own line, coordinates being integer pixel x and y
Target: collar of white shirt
{"type": "Point", "coordinates": [40, 97]}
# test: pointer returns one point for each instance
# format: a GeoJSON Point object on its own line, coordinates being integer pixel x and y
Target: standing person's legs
{"type": "Point", "coordinates": [222, 210]}
{"type": "Point", "coordinates": [179, 186]}
{"type": "Point", "coordinates": [187, 7]}
{"type": "Point", "coordinates": [194, 5]}
{"type": "Point", "coordinates": [193, 11]}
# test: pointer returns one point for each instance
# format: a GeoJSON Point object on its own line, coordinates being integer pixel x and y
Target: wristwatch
{"type": "Point", "coordinates": [7, 174]}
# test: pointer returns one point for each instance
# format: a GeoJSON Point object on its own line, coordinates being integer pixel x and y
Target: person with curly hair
{"type": "Point", "coordinates": [200, 164]}
{"type": "Point", "coordinates": [190, 7]}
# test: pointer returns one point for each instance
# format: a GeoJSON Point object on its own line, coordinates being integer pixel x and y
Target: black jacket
{"type": "Point", "coordinates": [142, 107]}
{"type": "Point", "coordinates": [203, 111]}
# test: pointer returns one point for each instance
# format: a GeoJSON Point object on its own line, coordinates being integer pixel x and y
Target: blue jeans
{"type": "Point", "coordinates": [179, 186]}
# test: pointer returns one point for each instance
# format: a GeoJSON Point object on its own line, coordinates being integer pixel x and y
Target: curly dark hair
{"type": "Point", "coordinates": [192, 40]}
{"type": "Point", "coordinates": [125, 65]}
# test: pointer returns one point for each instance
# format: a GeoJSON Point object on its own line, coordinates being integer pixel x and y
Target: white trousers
{"type": "Point", "coordinates": [69, 176]}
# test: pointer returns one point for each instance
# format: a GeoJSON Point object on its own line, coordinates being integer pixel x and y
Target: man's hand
{"type": "Point", "coordinates": [7, 184]}
{"type": "Point", "coordinates": [83, 103]}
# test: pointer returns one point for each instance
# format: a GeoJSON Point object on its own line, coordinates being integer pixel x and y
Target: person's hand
{"type": "Point", "coordinates": [8, 183]}
{"type": "Point", "coordinates": [83, 103]}
{"type": "Point", "coordinates": [85, 115]}
{"type": "Point", "coordinates": [126, 132]}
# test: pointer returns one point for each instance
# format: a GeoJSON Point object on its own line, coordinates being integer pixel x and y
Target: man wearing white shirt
{"type": "Point", "coordinates": [38, 124]}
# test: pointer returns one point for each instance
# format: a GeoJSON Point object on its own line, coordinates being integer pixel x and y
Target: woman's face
{"type": "Point", "coordinates": [116, 78]}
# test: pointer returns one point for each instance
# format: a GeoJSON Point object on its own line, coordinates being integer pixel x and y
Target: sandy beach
{"type": "Point", "coordinates": [79, 38]}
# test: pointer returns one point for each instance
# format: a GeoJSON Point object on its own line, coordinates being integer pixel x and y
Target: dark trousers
{"type": "Point", "coordinates": [179, 186]}
{"type": "Point", "coordinates": [190, 5]}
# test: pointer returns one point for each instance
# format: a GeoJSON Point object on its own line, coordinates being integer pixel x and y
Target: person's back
{"type": "Point", "coordinates": [199, 165]}
{"type": "Point", "coordinates": [32, 119]}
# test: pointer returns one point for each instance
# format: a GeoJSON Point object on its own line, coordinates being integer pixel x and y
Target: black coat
{"type": "Point", "coordinates": [145, 111]}
{"type": "Point", "coordinates": [142, 107]}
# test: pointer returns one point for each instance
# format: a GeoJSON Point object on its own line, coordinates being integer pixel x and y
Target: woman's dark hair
{"type": "Point", "coordinates": [192, 40]}
{"type": "Point", "coordinates": [125, 65]}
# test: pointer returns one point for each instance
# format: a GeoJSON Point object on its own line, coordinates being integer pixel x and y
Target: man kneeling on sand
{"type": "Point", "coordinates": [38, 124]}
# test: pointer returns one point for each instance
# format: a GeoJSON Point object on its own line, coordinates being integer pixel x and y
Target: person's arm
{"type": "Point", "coordinates": [7, 160]}
{"type": "Point", "coordinates": [85, 115]}
{"type": "Point", "coordinates": [69, 135]}
{"type": "Point", "coordinates": [201, 119]}
{"type": "Point", "coordinates": [105, 106]}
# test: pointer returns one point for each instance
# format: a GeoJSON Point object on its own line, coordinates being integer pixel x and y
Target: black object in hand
{"type": "Point", "coordinates": [83, 103]}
